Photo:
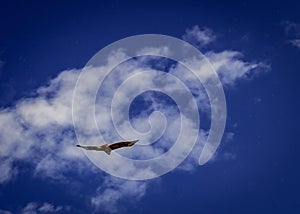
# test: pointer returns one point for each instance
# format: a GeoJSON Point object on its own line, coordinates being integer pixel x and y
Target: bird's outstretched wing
{"type": "Point", "coordinates": [122, 144]}
{"type": "Point", "coordinates": [96, 148]}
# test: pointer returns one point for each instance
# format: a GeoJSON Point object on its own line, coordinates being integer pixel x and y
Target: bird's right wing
{"type": "Point", "coordinates": [122, 144]}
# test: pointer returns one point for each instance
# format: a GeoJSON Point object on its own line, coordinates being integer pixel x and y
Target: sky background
{"type": "Point", "coordinates": [255, 170]}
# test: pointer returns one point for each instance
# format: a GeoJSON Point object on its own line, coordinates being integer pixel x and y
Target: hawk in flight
{"type": "Point", "coordinates": [108, 148]}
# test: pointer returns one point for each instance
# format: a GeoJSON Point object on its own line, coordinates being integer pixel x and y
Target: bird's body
{"type": "Point", "coordinates": [108, 148]}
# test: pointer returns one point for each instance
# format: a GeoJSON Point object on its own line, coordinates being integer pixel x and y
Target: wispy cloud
{"type": "Point", "coordinates": [114, 191]}
{"type": "Point", "coordinates": [295, 42]}
{"type": "Point", "coordinates": [1, 65]}
{"type": "Point", "coordinates": [39, 208]}
{"type": "Point", "coordinates": [199, 36]}
{"type": "Point", "coordinates": [231, 67]}
{"type": "Point", "coordinates": [7, 170]}
{"type": "Point", "coordinates": [292, 31]}
{"type": "Point", "coordinates": [291, 28]}
{"type": "Point", "coordinates": [5, 212]}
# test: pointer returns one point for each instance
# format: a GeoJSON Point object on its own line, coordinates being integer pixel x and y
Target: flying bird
{"type": "Point", "coordinates": [108, 148]}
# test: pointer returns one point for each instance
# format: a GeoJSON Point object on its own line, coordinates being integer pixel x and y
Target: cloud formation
{"type": "Point", "coordinates": [114, 191]}
{"type": "Point", "coordinates": [39, 130]}
{"type": "Point", "coordinates": [199, 36]}
{"type": "Point", "coordinates": [38, 208]}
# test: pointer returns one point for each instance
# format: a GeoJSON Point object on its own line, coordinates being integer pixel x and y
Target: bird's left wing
{"type": "Point", "coordinates": [97, 148]}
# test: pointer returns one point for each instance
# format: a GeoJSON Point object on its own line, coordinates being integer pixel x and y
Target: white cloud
{"type": "Point", "coordinates": [7, 170]}
{"type": "Point", "coordinates": [114, 190]}
{"type": "Point", "coordinates": [38, 130]}
{"type": "Point", "coordinates": [199, 36]}
{"type": "Point", "coordinates": [231, 68]}
{"type": "Point", "coordinates": [39, 208]}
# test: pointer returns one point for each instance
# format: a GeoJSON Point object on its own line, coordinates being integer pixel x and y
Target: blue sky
{"type": "Point", "coordinates": [255, 49]}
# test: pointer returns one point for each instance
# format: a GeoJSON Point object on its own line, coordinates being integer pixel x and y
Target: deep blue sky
{"type": "Point", "coordinates": [40, 39]}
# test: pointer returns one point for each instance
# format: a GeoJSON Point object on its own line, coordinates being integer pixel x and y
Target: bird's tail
{"type": "Point", "coordinates": [78, 145]}
{"type": "Point", "coordinates": [107, 150]}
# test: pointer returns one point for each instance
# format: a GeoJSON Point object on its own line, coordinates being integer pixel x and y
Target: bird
{"type": "Point", "coordinates": [108, 148]}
